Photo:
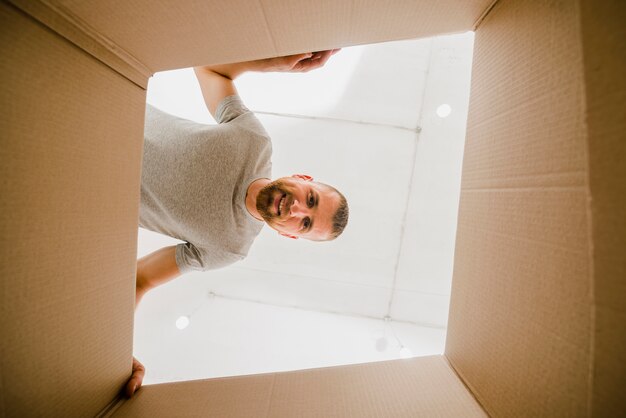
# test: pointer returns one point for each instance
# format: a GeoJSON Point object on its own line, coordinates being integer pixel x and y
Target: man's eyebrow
{"type": "Point", "coordinates": [317, 199]}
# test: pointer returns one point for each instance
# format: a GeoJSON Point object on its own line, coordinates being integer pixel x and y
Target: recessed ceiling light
{"type": "Point", "coordinates": [182, 322]}
{"type": "Point", "coordinates": [381, 344]}
{"type": "Point", "coordinates": [444, 110]}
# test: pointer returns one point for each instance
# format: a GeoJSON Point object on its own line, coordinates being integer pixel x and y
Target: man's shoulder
{"type": "Point", "coordinates": [249, 128]}
{"type": "Point", "coordinates": [230, 108]}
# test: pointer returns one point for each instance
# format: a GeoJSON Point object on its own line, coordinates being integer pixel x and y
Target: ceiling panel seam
{"type": "Point", "coordinates": [325, 279]}
{"type": "Point", "coordinates": [302, 276]}
{"type": "Point", "coordinates": [331, 119]}
{"type": "Point", "coordinates": [348, 314]}
{"type": "Point", "coordinates": [406, 208]}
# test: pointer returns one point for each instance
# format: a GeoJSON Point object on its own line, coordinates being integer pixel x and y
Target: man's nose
{"type": "Point", "coordinates": [297, 209]}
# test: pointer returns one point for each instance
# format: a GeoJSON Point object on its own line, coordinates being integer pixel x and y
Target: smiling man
{"type": "Point", "coordinates": [297, 207]}
{"type": "Point", "coordinates": [210, 185]}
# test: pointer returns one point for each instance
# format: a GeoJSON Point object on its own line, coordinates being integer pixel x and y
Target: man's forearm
{"type": "Point", "coordinates": [234, 70]}
{"type": "Point", "coordinates": [214, 86]}
{"type": "Point", "coordinates": [154, 270]}
{"type": "Point", "coordinates": [290, 63]}
{"type": "Point", "coordinates": [139, 295]}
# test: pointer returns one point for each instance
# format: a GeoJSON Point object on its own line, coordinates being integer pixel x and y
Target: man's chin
{"type": "Point", "coordinates": [266, 200]}
{"type": "Point", "coordinates": [268, 219]}
{"type": "Point", "coordinates": [267, 216]}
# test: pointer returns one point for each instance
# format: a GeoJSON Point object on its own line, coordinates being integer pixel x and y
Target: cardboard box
{"type": "Point", "coordinates": [537, 313]}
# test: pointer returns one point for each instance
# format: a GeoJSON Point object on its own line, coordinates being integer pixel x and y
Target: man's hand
{"type": "Point", "coordinates": [136, 378]}
{"type": "Point", "coordinates": [299, 63]}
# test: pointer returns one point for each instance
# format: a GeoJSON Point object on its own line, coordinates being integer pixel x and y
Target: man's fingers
{"type": "Point", "coordinates": [136, 378]}
{"type": "Point", "coordinates": [320, 54]}
{"type": "Point", "coordinates": [318, 60]}
{"type": "Point", "coordinates": [300, 57]}
{"type": "Point", "coordinates": [324, 56]}
{"type": "Point", "coordinates": [131, 387]}
{"type": "Point", "coordinates": [309, 61]}
{"type": "Point", "coordinates": [295, 60]}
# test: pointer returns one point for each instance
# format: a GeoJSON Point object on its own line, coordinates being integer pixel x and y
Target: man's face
{"type": "Point", "coordinates": [298, 207]}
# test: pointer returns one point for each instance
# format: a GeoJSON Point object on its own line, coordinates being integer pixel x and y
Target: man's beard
{"type": "Point", "coordinates": [266, 196]}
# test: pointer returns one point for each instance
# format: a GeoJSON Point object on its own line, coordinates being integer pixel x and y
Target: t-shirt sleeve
{"type": "Point", "coordinates": [190, 257]}
{"type": "Point", "coordinates": [229, 108]}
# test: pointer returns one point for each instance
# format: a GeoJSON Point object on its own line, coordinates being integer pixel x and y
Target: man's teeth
{"type": "Point", "coordinates": [280, 205]}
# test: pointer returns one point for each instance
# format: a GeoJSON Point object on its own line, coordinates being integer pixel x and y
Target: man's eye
{"type": "Point", "coordinates": [306, 223]}
{"type": "Point", "coordinates": [311, 201]}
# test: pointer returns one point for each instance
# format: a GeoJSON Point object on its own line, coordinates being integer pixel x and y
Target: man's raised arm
{"type": "Point", "coordinates": [216, 81]}
{"type": "Point", "coordinates": [154, 270]}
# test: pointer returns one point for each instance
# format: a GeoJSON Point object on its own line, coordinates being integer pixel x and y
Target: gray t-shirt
{"type": "Point", "coordinates": [194, 182]}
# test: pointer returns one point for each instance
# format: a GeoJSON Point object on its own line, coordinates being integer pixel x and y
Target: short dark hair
{"type": "Point", "coordinates": [340, 218]}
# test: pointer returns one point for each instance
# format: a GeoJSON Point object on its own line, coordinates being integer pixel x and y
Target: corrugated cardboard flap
{"type": "Point", "coordinates": [604, 54]}
{"type": "Point", "coordinates": [140, 37]}
{"type": "Point", "coordinates": [418, 387]}
{"type": "Point", "coordinates": [70, 166]}
{"type": "Point", "coordinates": [525, 331]}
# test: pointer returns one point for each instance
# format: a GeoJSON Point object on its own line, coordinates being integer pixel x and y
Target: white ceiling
{"type": "Point", "coordinates": [366, 124]}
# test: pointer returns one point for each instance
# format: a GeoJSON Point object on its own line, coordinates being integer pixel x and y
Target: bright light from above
{"type": "Point", "coordinates": [182, 322]}
{"type": "Point", "coordinates": [444, 110]}
{"type": "Point", "coordinates": [323, 89]}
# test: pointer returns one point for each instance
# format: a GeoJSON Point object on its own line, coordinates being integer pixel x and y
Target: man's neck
{"type": "Point", "coordinates": [251, 194]}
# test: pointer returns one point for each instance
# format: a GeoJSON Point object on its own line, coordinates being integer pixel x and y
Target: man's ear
{"type": "Point", "coordinates": [288, 236]}
{"type": "Point", "coordinates": [303, 177]}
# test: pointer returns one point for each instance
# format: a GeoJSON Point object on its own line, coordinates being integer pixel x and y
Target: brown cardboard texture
{"type": "Point", "coordinates": [537, 316]}
{"type": "Point", "coordinates": [425, 386]}
{"type": "Point", "coordinates": [523, 236]}
{"type": "Point", "coordinates": [71, 155]}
